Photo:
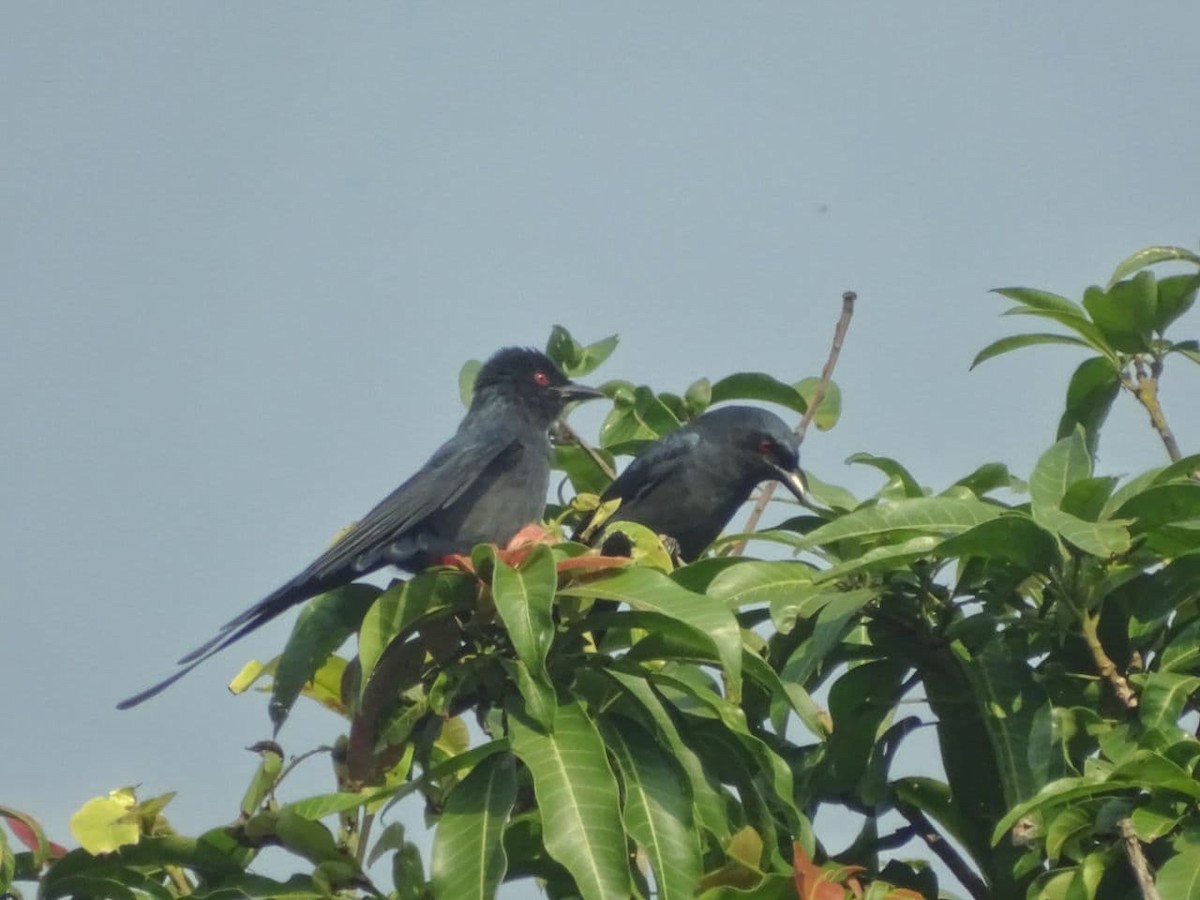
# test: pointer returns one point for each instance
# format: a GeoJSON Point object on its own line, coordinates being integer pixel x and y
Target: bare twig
{"type": "Point", "coordinates": [839, 337]}
{"type": "Point", "coordinates": [1104, 665]}
{"type": "Point", "coordinates": [1137, 860]}
{"type": "Point", "coordinates": [572, 435]}
{"type": "Point", "coordinates": [933, 839]}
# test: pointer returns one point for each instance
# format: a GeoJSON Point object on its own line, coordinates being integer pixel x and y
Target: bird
{"type": "Point", "coordinates": [481, 486]}
{"type": "Point", "coordinates": [688, 484]}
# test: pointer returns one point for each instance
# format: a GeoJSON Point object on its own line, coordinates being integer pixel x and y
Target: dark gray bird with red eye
{"type": "Point", "coordinates": [688, 484]}
{"type": "Point", "coordinates": [481, 486]}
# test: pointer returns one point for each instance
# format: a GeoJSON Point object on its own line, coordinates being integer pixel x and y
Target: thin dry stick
{"type": "Point", "coordinates": [839, 337]}
{"type": "Point", "coordinates": [1137, 860]}
{"type": "Point", "coordinates": [572, 435]}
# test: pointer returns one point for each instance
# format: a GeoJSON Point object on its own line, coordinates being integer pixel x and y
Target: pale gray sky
{"type": "Point", "coordinates": [244, 249]}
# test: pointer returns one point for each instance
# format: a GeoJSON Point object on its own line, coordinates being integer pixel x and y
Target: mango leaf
{"type": "Point", "coordinates": [1179, 877]}
{"type": "Point", "coordinates": [1148, 257]}
{"type": "Point", "coordinates": [657, 813]}
{"type": "Point", "coordinates": [323, 626]}
{"type": "Point", "coordinates": [652, 591]}
{"type": "Point", "coordinates": [468, 858]}
{"type": "Point", "coordinates": [579, 800]}
{"type": "Point", "coordinates": [1125, 312]}
{"type": "Point", "coordinates": [1013, 538]}
{"type": "Point", "coordinates": [755, 581]}
{"type": "Point", "coordinates": [708, 804]}
{"type": "Point", "coordinates": [1176, 294]}
{"type": "Point", "coordinates": [758, 386]}
{"type": "Point", "coordinates": [939, 515]}
{"type": "Point", "coordinates": [896, 472]}
{"type": "Point", "coordinates": [830, 410]}
{"type": "Point", "coordinates": [1018, 341]}
{"type": "Point", "coordinates": [1103, 539]}
{"type": "Point", "coordinates": [989, 477]}
{"type": "Point", "coordinates": [525, 599]}
{"type": "Point", "coordinates": [1058, 309]}
{"type": "Point", "coordinates": [636, 417]}
{"type": "Point", "coordinates": [1058, 468]}
{"type": "Point", "coordinates": [1160, 505]}
{"type": "Point", "coordinates": [1090, 395]}
{"type": "Point", "coordinates": [1163, 697]}
{"type": "Point", "coordinates": [586, 476]}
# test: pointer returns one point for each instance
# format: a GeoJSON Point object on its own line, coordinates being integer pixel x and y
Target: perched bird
{"type": "Point", "coordinates": [481, 486]}
{"type": "Point", "coordinates": [688, 484]}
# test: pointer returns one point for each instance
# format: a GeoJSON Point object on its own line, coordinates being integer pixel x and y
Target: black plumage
{"type": "Point", "coordinates": [481, 486]}
{"type": "Point", "coordinates": [688, 484]}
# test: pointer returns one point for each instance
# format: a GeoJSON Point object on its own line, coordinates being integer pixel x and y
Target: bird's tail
{"type": "Point", "coordinates": [231, 632]}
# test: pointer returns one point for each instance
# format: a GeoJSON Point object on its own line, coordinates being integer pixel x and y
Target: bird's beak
{"type": "Point", "coordinates": [571, 392]}
{"type": "Point", "coordinates": [794, 480]}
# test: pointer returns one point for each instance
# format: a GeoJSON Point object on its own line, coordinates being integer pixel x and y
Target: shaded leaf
{"type": "Point", "coordinates": [758, 386]}
{"type": "Point", "coordinates": [1090, 395]}
{"type": "Point", "coordinates": [468, 858]}
{"type": "Point", "coordinates": [579, 800]}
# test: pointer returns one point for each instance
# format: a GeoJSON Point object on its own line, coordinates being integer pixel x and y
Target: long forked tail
{"type": "Point", "coordinates": [231, 632]}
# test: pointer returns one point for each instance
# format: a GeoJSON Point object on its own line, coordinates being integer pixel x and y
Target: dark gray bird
{"type": "Point", "coordinates": [688, 484]}
{"type": "Point", "coordinates": [481, 486]}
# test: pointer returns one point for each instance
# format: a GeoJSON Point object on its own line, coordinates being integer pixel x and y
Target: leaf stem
{"type": "Point", "coordinates": [839, 337]}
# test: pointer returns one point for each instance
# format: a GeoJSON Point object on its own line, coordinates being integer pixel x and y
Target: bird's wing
{"type": "Point", "coordinates": [648, 470]}
{"type": "Point", "coordinates": [450, 472]}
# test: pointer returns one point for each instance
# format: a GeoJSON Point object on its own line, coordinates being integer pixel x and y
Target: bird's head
{"type": "Point", "coordinates": [764, 446]}
{"type": "Point", "coordinates": [530, 379]}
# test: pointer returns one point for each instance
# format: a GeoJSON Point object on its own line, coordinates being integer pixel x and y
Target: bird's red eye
{"type": "Point", "coordinates": [766, 446]}
{"type": "Point", "coordinates": [540, 378]}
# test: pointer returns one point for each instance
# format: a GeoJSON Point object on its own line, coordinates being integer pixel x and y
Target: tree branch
{"type": "Point", "coordinates": [839, 337]}
{"type": "Point", "coordinates": [1146, 392]}
{"type": "Point", "coordinates": [1104, 664]}
{"type": "Point", "coordinates": [1137, 860]}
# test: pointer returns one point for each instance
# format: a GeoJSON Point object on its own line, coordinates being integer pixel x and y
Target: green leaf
{"type": "Point", "coordinates": [466, 380]}
{"type": "Point", "coordinates": [1179, 877]}
{"type": "Point", "coordinates": [939, 515]}
{"type": "Point", "coordinates": [658, 814]}
{"type": "Point", "coordinates": [1162, 504]}
{"type": "Point", "coordinates": [1103, 539]}
{"type": "Point", "coordinates": [563, 349]}
{"type": "Point", "coordinates": [1148, 257]}
{"type": "Point", "coordinates": [593, 355]}
{"type": "Point", "coordinates": [934, 799]}
{"type": "Point", "coordinates": [758, 386]}
{"type": "Point", "coordinates": [579, 800]}
{"type": "Point", "coordinates": [1090, 395]}
{"type": "Point", "coordinates": [1017, 341]}
{"type": "Point", "coordinates": [755, 581]}
{"type": "Point", "coordinates": [1043, 301]}
{"type": "Point", "coordinates": [708, 804]}
{"type": "Point", "coordinates": [1163, 698]}
{"type": "Point", "coordinates": [652, 591]}
{"type": "Point", "coordinates": [586, 476]}
{"type": "Point", "coordinates": [833, 621]}
{"type": "Point", "coordinates": [637, 416]}
{"type": "Point", "coordinates": [1125, 313]}
{"type": "Point", "coordinates": [1176, 294]}
{"type": "Point", "coordinates": [896, 472]}
{"type": "Point", "coordinates": [1013, 538]}
{"type": "Point", "coordinates": [525, 601]}
{"type": "Point", "coordinates": [830, 410]}
{"type": "Point", "coordinates": [987, 478]}
{"type": "Point", "coordinates": [698, 396]}
{"type": "Point", "coordinates": [322, 627]}
{"type": "Point", "coordinates": [468, 858]}
{"type": "Point", "coordinates": [1058, 468]}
